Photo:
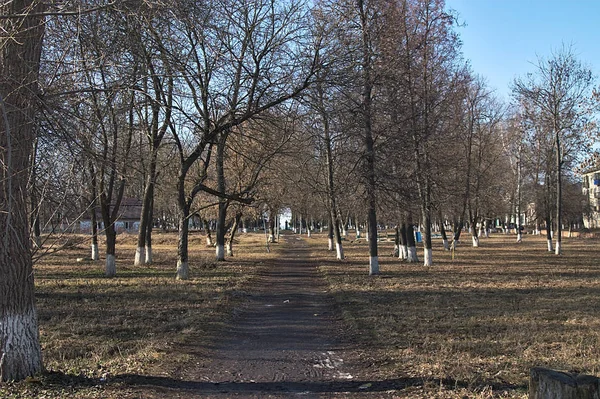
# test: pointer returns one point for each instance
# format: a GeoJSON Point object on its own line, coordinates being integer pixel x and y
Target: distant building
{"type": "Point", "coordinates": [127, 221]}
{"type": "Point", "coordinates": [591, 190]}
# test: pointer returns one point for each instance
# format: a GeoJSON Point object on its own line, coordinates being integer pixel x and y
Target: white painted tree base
{"type": "Point", "coordinates": [550, 248]}
{"type": "Point", "coordinates": [557, 248]}
{"type": "Point", "coordinates": [19, 345]}
{"type": "Point", "coordinates": [475, 242]}
{"type": "Point", "coordinates": [428, 257]}
{"type": "Point", "coordinates": [519, 237]}
{"type": "Point", "coordinates": [229, 249]}
{"type": "Point", "coordinates": [403, 252]}
{"type": "Point", "coordinates": [308, 233]}
{"type": "Point", "coordinates": [373, 265]}
{"type": "Point", "coordinates": [139, 256]}
{"type": "Point", "coordinates": [183, 270]}
{"type": "Point", "coordinates": [412, 255]}
{"type": "Point", "coordinates": [220, 252]}
{"type": "Point", "coordinates": [111, 266]}
{"type": "Point", "coordinates": [339, 251]}
{"type": "Point", "coordinates": [95, 252]}
{"type": "Point", "coordinates": [209, 242]}
{"type": "Point", "coordinates": [446, 245]}
{"type": "Point", "coordinates": [271, 238]}
{"type": "Point", "coordinates": [357, 233]}
{"type": "Point", "coordinates": [148, 253]}
{"type": "Point", "coordinates": [330, 244]}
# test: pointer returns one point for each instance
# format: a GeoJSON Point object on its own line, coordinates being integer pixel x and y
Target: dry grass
{"type": "Point", "coordinates": [469, 327]}
{"type": "Point", "coordinates": [474, 325]}
{"type": "Point", "coordinates": [141, 322]}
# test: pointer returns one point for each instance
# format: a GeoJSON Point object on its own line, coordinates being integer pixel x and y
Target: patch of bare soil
{"type": "Point", "coordinates": [285, 342]}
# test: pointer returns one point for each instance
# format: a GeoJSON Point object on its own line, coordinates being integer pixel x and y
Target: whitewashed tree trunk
{"type": "Point", "coordinates": [209, 242]}
{"type": "Point", "coordinates": [183, 270]}
{"type": "Point", "coordinates": [140, 255]}
{"type": "Point", "coordinates": [412, 255]}
{"type": "Point", "coordinates": [308, 232]}
{"type": "Point", "coordinates": [557, 248]}
{"type": "Point", "coordinates": [373, 265]}
{"type": "Point", "coordinates": [339, 250]}
{"type": "Point", "coordinates": [220, 252]}
{"type": "Point", "coordinates": [344, 231]}
{"type": "Point", "coordinates": [19, 345]}
{"type": "Point", "coordinates": [95, 252]}
{"type": "Point", "coordinates": [487, 232]}
{"type": "Point", "coordinates": [229, 249]}
{"type": "Point", "coordinates": [428, 255]}
{"type": "Point", "coordinates": [550, 248]}
{"type": "Point", "coordinates": [330, 241]}
{"type": "Point", "coordinates": [271, 238]}
{"type": "Point", "coordinates": [111, 266]}
{"type": "Point", "coordinates": [357, 232]}
{"type": "Point", "coordinates": [403, 252]}
{"type": "Point", "coordinates": [475, 241]}
{"type": "Point", "coordinates": [148, 253]}
{"type": "Point", "coordinates": [519, 237]}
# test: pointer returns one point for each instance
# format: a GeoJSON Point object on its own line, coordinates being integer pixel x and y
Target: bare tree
{"type": "Point", "coordinates": [560, 96]}
{"type": "Point", "coordinates": [20, 50]}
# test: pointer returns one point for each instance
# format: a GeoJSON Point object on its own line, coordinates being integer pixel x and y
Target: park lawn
{"type": "Point", "coordinates": [472, 326]}
{"type": "Point", "coordinates": [142, 322]}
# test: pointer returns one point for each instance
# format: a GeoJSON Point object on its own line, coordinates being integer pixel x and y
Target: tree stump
{"type": "Point", "coordinates": [551, 384]}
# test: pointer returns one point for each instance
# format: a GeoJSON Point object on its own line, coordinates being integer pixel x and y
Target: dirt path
{"type": "Point", "coordinates": [285, 343]}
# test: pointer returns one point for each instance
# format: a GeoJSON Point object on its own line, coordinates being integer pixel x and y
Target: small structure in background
{"type": "Point", "coordinates": [127, 221]}
{"type": "Point", "coordinates": [591, 190]}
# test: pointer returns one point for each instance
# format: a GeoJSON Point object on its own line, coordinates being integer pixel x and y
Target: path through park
{"type": "Point", "coordinates": [285, 342]}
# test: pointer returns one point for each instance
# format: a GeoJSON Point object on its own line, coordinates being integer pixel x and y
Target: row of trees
{"type": "Point", "coordinates": [359, 110]}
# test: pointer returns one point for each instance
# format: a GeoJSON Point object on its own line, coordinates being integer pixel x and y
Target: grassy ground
{"type": "Point", "coordinates": [141, 322]}
{"type": "Point", "coordinates": [473, 326]}
{"type": "Point", "coordinates": [468, 327]}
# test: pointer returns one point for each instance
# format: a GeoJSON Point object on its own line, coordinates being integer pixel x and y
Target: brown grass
{"type": "Point", "coordinates": [141, 322]}
{"type": "Point", "coordinates": [473, 326]}
{"type": "Point", "coordinates": [469, 327]}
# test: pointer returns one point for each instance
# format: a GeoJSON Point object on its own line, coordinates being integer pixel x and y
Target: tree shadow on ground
{"type": "Point", "coordinates": [286, 387]}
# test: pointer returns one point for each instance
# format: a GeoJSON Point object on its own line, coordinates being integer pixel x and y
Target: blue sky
{"type": "Point", "coordinates": [503, 37]}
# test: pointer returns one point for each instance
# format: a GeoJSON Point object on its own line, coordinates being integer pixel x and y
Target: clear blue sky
{"type": "Point", "coordinates": [503, 37]}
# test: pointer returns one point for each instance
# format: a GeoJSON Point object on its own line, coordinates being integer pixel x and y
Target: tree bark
{"type": "Point", "coordinates": [183, 269]}
{"type": "Point", "coordinates": [20, 49]}
{"type": "Point", "coordinates": [236, 223]}
{"type": "Point", "coordinates": [368, 137]}
{"type": "Point", "coordinates": [220, 161]}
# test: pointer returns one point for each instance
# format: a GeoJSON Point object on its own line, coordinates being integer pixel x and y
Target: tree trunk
{"type": "Point", "coordinates": [558, 238]}
{"type": "Point", "coordinates": [549, 232]}
{"type": "Point", "coordinates": [94, 212]}
{"type": "Point", "coordinates": [148, 251]}
{"type": "Point", "coordinates": [20, 48]}
{"type": "Point", "coordinates": [403, 254]}
{"type": "Point", "coordinates": [209, 240]}
{"type": "Point", "coordinates": [220, 161]}
{"type": "Point", "coordinates": [396, 241]}
{"type": "Point", "coordinates": [443, 232]}
{"type": "Point", "coordinates": [183, 268]}
{"type": "Point", "coordinates": [111, 243]}
{"type": "Point", "coordinates": [272, 228]}
{"type": "Point", "coordinates": [411, 244]}
{"type": "Point", "coordinates": [94, 221]}
{"type": "Point", "coordinates": [140, 255]}
{"type": "Point", "coordinates": [236, 223]}
{"type": "Point", "coordinates": [330, 234]}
